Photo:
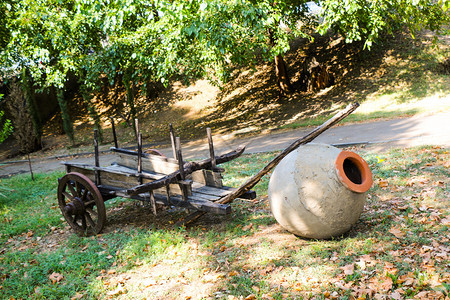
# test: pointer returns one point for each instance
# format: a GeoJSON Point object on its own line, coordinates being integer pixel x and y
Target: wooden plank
{"type": "Point", "coordinates": [192, 203]}
{"type": "Point", "coordinates": [148, 164]}
{"type": "Point", "coordinates": [126, 178]}
{"type": "Point", "coordinates": [207, 177]}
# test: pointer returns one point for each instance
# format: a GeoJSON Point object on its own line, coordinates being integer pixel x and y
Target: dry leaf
{"type": "Point", "coordinates": [383, 183]}
{"type": "Point", "coordinates": [397, 232]}
{"type": "Point", "coordinates": [446, 221]}
{"type": "Point", "coordinates": [349, 269]}
{"type": "Point", "coordinates": [250, 297]}
{"type": "Point", "coordinates": [233, 273]}
{"type": "Point", "coordinates": [77, 296]}
{"type": "Point", "coordinates": [55, 277]}
{"type": "Point", "coordinates": [247, 227]}
{"type": "Point", "coordinates": [223, 248]}
{"type": "Point", "coordinates": [396, 296]}
{"type": "Point", "coordinates": [386, 284]}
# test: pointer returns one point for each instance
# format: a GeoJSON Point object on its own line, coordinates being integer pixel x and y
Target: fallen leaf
{"type": "Point", "coordinates": [250, 297]}
{"type": "Point", "coordinates": [396, 296]}
{"type": "Point", "coordinates": [383, 183]}
{"type": "Point", "coordinates": [77, 296]}
{"type": "Point", "coordinates": [349, 269]}
{"type": "Point", "coordinates": [55, 277]}
{"type": "Point", "coordinates": [233, 273]}
{"type": "Point", "coordinates": [446, 221]}
{"type": "Point", "coordinates": [397, 232]}
{"type": "Point", "coordinates": [247, 227]}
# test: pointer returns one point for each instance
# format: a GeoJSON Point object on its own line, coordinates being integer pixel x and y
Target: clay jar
{"type": "Point", "coordinates": [318, 191]}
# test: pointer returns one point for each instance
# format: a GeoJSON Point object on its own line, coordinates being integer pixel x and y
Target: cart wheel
{"type": "Point", "coordinates": [81, 204]}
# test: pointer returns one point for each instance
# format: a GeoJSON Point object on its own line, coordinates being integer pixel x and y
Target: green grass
{"type": "Point", "coordinates": [235, 256]}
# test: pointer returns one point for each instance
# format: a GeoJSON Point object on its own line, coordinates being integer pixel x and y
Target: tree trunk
{"type": "Point", "coordinates": [283, 80]}
{"type": "Point", "coordinates": [32, 107]}
{"type": "Point", "coordinates": [67, 122]}
{"type": "Point", "coordinates": [25, 130]}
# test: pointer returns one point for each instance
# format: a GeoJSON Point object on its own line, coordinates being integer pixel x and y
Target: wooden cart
{"type": "Point", "coordinates": [159, 180]}
{"type": "Point", "coordinates": [148, 177]}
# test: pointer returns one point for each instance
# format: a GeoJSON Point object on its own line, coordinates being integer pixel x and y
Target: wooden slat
{"type": "Point", "coordinates": [148, 164]}
{"type": "Point", "coordinates": [125, 178]}
{"type": "Point", "coordinates": [192, 203]}
{"type": "Point", "coordinates": [208, 177]}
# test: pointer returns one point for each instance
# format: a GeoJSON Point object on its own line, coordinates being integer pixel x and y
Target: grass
{"type": "Point", "coordinates": [398, 249]}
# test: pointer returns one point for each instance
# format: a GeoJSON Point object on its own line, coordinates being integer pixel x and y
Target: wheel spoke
{"type": "Point", "coordinates": [85, 193]}
{"type": "Point", "coordinates": [89, 203]}
{"type": "Point", "coordinates": [68, 196]}
{"type": "Point", "coordinates": [78, 187]}
{"type": "Point", "coordinates": [90, 221]}
{"type": "Point", "coordinates": [75, 219]}
{"type": "Point", "coordinates": [91, 211]}
{"type": "Point", "coordinates": [71, 188]}
{"type": "Point", "coordinates": [83, 222]}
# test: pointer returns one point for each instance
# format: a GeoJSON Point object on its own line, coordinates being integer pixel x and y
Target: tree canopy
{"type": "Point", "coordinates": [137, 42]}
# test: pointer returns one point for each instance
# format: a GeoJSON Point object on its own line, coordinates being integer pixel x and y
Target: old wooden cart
{"type": "Point", "coordinates": [153, 178]}
{"type": "Point", "coordinates": [149, 177]}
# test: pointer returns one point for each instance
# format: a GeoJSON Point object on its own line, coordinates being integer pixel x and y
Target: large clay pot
{"type": "Point", "coordinates": [318, 191]}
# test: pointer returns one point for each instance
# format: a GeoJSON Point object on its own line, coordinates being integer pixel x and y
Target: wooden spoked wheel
{"type": "Point", "coordinates": [81, 204]}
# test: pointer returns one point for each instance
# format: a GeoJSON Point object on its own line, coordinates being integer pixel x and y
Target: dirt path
{"type": "Point", "coordinates": [377, 136]}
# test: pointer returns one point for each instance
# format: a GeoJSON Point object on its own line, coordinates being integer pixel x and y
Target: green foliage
{"type": "Point", "coordinates": [368, 20]}
{"type": "Point", "coordinates": [6, 127]}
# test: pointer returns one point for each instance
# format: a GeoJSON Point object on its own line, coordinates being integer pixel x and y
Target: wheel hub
{"type": "Point", "coordinates": [76, 207]}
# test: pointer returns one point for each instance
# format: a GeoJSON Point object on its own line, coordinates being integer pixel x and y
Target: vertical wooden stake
{"type": "Point", "coordinates": [97, 159]}
{"type": "Point", "coordinates": [116, 145]}
{"type": "Point", "coordinates": [139, 168]}
{"type": "Point", "coordinates": [211, 148]}
{"type": "Point", "coordinates": [153, 202]}
{"type": "Point", "coordinates": [136, 125]}
{"type": "Point", "coordinates": [172, 140]}
{"type": "Point", "coordinates": [168, 194]}
{"type": "Point", "coordinates": [29, 165]}
{"type": "Point", "coordinates": [179, 157]}
{"type": "Point", "coordinates": [181, 167]}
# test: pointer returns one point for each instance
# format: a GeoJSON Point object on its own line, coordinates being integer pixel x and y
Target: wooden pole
{"type": "Point", "coordinates": [211, 148]}
{"type": "Point", "coordinates": [172, 141]}
{"type": "Point", "coordinates": [97, 159]}
{"type": "Point", "coordinates": [29, 165]}
{"type": "Point", "coordinates": [180, 157]}
{"type": "Point", "coordinates": [114, 132]}
{"type": "Point", "coordinates": [136, 126]}
{"type": "Point", "coordinates": [139, 167]}
{"type": "Point", "coordinates": [274, 162]}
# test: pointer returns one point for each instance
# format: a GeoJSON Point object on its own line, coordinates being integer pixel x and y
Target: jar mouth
{"type": "Point", "coordinates": [353, 171]}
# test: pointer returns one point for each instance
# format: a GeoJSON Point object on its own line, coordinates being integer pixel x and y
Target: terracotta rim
{"type": "Point", "coordinates": [360, 166]}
